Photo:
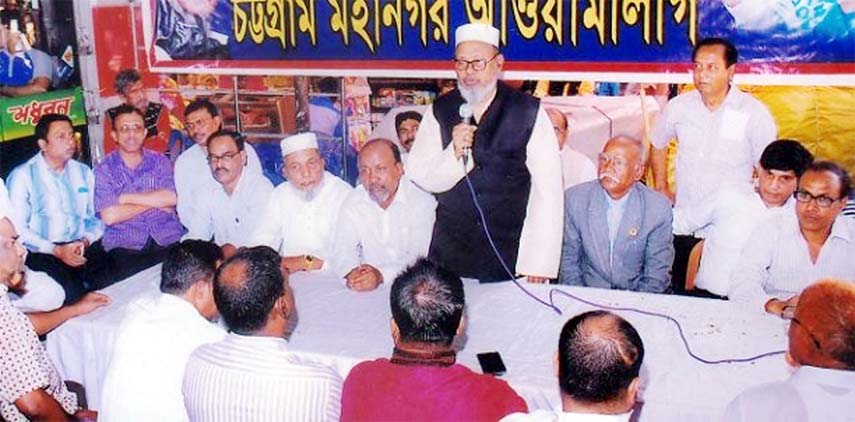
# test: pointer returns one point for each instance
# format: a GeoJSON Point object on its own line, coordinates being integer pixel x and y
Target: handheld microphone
{"type": "Point", "coordinates": [465, 112]}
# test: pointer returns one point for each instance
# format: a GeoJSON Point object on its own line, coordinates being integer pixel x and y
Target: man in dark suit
{"type": "Point", "coordinates": [617, 232]}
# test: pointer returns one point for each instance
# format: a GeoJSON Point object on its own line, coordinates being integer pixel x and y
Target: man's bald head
{"type": "Point", "coordinates": [599, 358]}
{"type": "Point", "coordinates": [822, 333]}
{"type": "Point", "coordinates": [248, 286]}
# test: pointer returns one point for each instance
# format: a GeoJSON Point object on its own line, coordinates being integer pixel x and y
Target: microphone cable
{"type": "Point", "coordinates": [552, 292]}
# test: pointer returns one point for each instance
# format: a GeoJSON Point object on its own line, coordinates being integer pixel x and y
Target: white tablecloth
{"type": "Point", "coordinates": [342, 328]}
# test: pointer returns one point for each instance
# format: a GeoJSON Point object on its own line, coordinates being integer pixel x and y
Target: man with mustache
{"type": "Point", "coordinates": [407, 125]}
{"type": "Point", "coordinates": [721, 133]}
{"type": "Point", "coordinates": [53, 197]}
{"type": "Point", "coordinates": [508, 152]}
{"type": "Point", "coordinates": [192, 175]}
{"type": "Point", "coordinates": [231, 209]}
{"type": "Point", "coordinates": [617, 232]}
{"type": "Point", "coordinates": [787, 253]}
{"type": "Point", "coordinates": [385, 223]}
{"type": "Point", "coordinates": [299, 220]}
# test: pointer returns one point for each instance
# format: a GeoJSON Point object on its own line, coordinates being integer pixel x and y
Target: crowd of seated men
{"type": "Point", "coordinates": [767, 220]}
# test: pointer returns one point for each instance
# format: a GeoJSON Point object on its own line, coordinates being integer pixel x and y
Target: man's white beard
{"type": "Point", "coordinates": [310, 194]}
{"type": "Point", "coordinates": [477, 94]}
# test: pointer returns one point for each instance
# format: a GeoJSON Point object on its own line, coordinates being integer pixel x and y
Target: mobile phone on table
{"type": "Point", "coordinates": [491, 363]}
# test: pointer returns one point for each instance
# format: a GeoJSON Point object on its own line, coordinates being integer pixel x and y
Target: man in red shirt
{"type": "Point", "coordinates": [422, 382]}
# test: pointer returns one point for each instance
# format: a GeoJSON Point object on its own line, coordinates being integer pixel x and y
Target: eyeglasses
{"type": "Point", "coordinates": [617, 163]}
{"type": "Point", "coordinates": [477, 64]}
{"type": "Point", "coordinates": [821, 200]}
{"type": "Point", "coordinates": [226, 158]}
{"type": "Point", "coordinates": [807, 330]}
{"type": "Point", "coordinates": [131, 129]}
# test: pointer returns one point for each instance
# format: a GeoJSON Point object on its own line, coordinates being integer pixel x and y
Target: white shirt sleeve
{"type": "Point", "coordinates": [663, 129]}
{"type": "Point", "coordinates": [540, 239]}
{"type": "Point", "coordinates": [5, 204]}
{"type": "Point", "coordinates": [688, 219]}
{"type": "Point", "coordinates": [752, 270]}
{"type": "Point", "coordinates": [268, 232]}
{"type": "Point", "coordinates": [429, 165]}
{"type": "Point", "coordinates": [346, 244]}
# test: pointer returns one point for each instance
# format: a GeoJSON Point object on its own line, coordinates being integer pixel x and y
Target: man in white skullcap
{"type": "Point", "coordinates": [192, 174]}
{"type": "Point", "coordinates": [300, 217]}
{"type": "Point", "coordinates": [508, 150]}
{"type": "Point", "coordinates": [230, 210]}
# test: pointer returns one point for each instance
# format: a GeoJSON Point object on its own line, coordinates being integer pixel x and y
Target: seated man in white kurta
{"type": "Point", "coordinates": [386, 222]}
{"type": "Point", "coordinates": [300, 217]}
{"type": "Point", "coordinates": [230, 210]}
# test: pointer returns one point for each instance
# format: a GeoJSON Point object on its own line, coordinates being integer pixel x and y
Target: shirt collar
{"type": "Point", "coordinates": [616, 203]}
{"type": "Point", "coordinates": [833, 377]}
{"type": "Point", "coordinates": [43, 165]}
{"type": "Point", "coordinates": [262, 342]}
{"type": "Point", "coordinates": [591, 417]}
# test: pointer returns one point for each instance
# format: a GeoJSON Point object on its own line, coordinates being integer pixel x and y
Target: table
{"type": "Point", "coordinates": [342, 328]}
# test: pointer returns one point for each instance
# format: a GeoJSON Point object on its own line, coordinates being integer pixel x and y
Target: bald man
{"type": "Point", "coordinates": [599, 363]}
{"type": "Point", "coordinates": [822, 353]}
{"type": "Point", "coordinates": [617, 232]}
{"type": "Point", "coordinates": [385, 224]}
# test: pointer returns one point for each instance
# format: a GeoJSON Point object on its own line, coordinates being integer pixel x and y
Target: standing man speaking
{"type": "Point", "coordinates": [502, 141]}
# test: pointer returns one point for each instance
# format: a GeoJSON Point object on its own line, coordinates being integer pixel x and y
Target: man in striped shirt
{"type": "Point", "coordinates": [251, 375]}
{"type": "Point", "coordinates": [54, 210]}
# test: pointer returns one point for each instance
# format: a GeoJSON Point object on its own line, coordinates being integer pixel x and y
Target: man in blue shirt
{"type": "Point", "coordinates": [54, 210]}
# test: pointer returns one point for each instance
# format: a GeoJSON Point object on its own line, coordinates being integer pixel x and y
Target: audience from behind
{"type": "Point", "coordinates": [407, 125]}
{"type": "Point", "coordinates": [251, 375]}
{"type": "Point", "coordinates": [735, 211]}
{"type": "Point", "coordinates": [299, 219]}
{"type": "Point", "coordinates": [421, 381]}
{"type": "Point", "coordinates": [157, 336]}
{"type": "Point", "coordinates": [822, 353]}
{"type": "Point", "coordinates": [55, 211]}
{"type": "Point", "coordinates": [721, 132]}
{"type": "Point", "coordinates": [30, 386]}
{"type": "Point", "coordinates": [788, 252]}
{"type": "Point", "coordinates": [617, 232]}
{"type": "Point", "coordinates": [193, 178]}
{"type": "Point", "coordinates": [599, 359]}
{"type": "Point", "coordinates": [132, 91]}
{"type": "Point", "coordinates": [508, 153]}
{"type": "Point", "coordinates": [135, 198]}
{"type": "Point", "coordinates": [385, 223]}
{"type": "Point", "coordinates": [230, 210]}
{"type": "Point", "coordinates": [576, 168]}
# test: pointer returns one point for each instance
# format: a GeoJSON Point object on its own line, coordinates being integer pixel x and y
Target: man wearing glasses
{"type": "Point", "coordinates": [822, 354]}
{"type": "Point", "coordinates": [135, 198]}
{"type": "Point", "coordinates": [192, 175]}
{"type": "Point", "coordinates": [501, 141]}
{"type": "Point", "coordinates": [788, 252]}
{"type": "Point", "coordinates": [230, 210]}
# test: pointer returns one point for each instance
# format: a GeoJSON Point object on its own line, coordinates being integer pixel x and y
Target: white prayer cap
{"type": "Point", "coordinates": [298, 142]}
{"type": "Point", "coordinates": [476, 32]}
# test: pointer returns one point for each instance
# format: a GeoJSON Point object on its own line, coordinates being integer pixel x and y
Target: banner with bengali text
{"type": "Point", "coordinates": [416, 37]}
{"type": "Point", "coordinates": [20, 114]}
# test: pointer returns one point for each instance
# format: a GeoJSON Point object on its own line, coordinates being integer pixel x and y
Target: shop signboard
{"type": "Point", "coordinates": [415, 37]}
{"type": "Point", "coordinates": [20, 114]}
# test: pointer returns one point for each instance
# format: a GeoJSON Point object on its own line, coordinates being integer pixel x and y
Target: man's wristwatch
{"type": "Point", "coordinates": [308, 259]}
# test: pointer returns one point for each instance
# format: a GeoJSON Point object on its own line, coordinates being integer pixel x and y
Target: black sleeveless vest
{"type": "Point", "coordinates": [501, 181]}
